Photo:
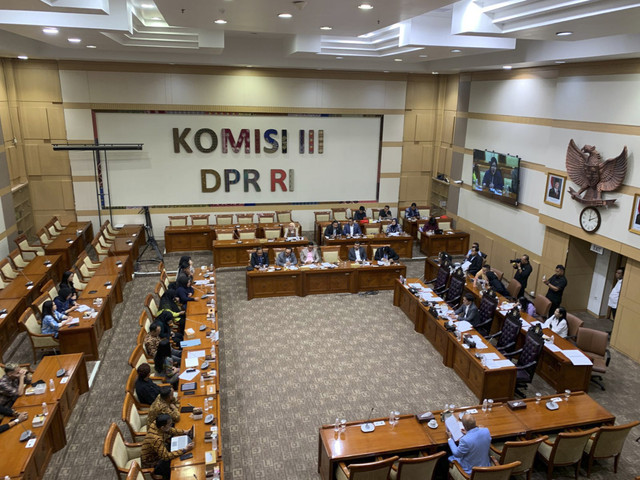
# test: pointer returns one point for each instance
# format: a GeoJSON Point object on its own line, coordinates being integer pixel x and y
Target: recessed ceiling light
{"type": "Point", "coordinates": [423, 56]}
{"type": "Point", "coordinates": [385, 71]}
{"type": "Point", "coordinates": [456, 50]}
{"type": "Point", "coordinates": [74, 40]}
{"type": "Point", "coordinates": [397, 59]}
{"type": "Point", "coordinates": [284, 15]}
{"type": "Point", "coordinates": [561, 61]}
{"type": "Point", "coordinates": [50, 30]}
{"type": "Point", "coordinates": [326, 28]}
{"type": "Point", "coordinates": [147, 5]}
{"type": "Point", "coordinates": [339, 58]}
{"type": "Point", "coordinates": [563, 34]}
{"type": "Point", "coordinates": [365, 6]}
{"type": "Point", "coordinates": [507, 67]}
{"type": "Point", "coordinates": [434, 73]}
{"type": "Point", "coordinates": [23, 57]}
{"type": "Point", "coordinates": [91, 46]}
{"type": "Point", "coordinates": [220, 21]}
{"type": "Point", "coordinates": [156, 18]}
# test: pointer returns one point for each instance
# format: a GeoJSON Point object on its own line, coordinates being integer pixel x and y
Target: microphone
{"type": "Point", "coordinates": [26, 435]}
{"type": "Point", "coordinates": [367, 426]}
{"type": "Point", "coordinates": [61, 371]}
{"type": "Point", "coordinates": [29, 282]}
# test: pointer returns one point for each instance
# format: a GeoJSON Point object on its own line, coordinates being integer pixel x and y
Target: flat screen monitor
{"type": "Point", "coordinates": [496, 176]}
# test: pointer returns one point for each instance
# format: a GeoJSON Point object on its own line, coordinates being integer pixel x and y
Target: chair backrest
{"type": "Point", "coordinates": [272, 232]}
{"type": "Point", "coordinates": [38, 302]}
{"type": "Point", "coordinates": [322, 216]}
{"type": "Point", "coordinates": [7, 270]}
{"type": "Point", "coordinates": [130, 387]}
{"type": "Point", "coordinates": [151, 304]}
{"type": "Point", "coordinates": [442, 278]}
{"type": "Point", "coordinates": [200, 219]}
{"type": "Point", "coordinates": [135, 473]}
{"type": "Point", "coordinates": [531, 350]}
{"type": "Point", "coordinates": [371, 471]}
{"type": "Point", "coordinates": [145, 320]}
{"type": "Point", "coordinates": [284, 216]}
{"type": "Point", "coordinates": [372, 228]}
{"type": "Point", "coordinates": [568, 447]}
{"type": "Point", "coordinates": [78, 284]}
{"type": "Point", "coordinates": [57, 224]}
{"type": "Point", "coordinates": [225, 233]}
{"type": "Point", "coordinates": [573, 324]}
{"type": "Point", "coordinates": [246, 233]}
{"type": "Point", "coordinates": [115, 448]}
{"type": "Point", "coordinates": [43, 236]}
{"type": "Point", "coordinates": [592, 341]}
{"type": "Point", "coordinates": [177, 220]}
{"type": "Point", "coordinates": [487, 310]}
{"type": "Point", "coordinates": [456, 286]}
{"type": "Point", "coordinates": [497, 472]}
{"type": "Point", "coordinates": [266, 217]}
{"type": "Point", "coordinates": [17, 258]}
{"type": "Point", "coordinates": [51, 230]}
{"type": "Point", "coordinates": [374, 213]}
{"type": "Point", "coordinates": [29, 321]}
{"type": "Point", "coordinates": [609, 440]}
{"type": "Point", "coordinates": [140, 340]}
{"type": "Point", "coordinates": [330, 254]}
{"type": "Point", "coordinates": [50, 288]}
{"type": "Point", "coordinates": [510, 331]}
{"type": "Point", "coordinates": [443, 225]}
{"type": "Point", "coordinates": [131, 416]}
{"type": "Point", "coordinates": [84, 271]}
{"type": "Point", "coordinates": [542, 304]}
{"type": "Point", "coordinates": [514, 288]}
{"type": "Point", "coordinates": [160, 288]}
{"type": "Point", "coordinates": [523, 451]}
{"type": "Point", "coordinates": [137, 357]}
{"type": "Point", "coordinates": [420, 468]}
{"type": "Point", "coordinates": [339, 214]}
{"type": "Point", "coordinates": [226, 219]}
{"type": "Point", "coordinates": [374, 249]}
{"type": "Point", "coordinates": [499, 273]}
{"type": "Point", "coordinates": [244, 218]}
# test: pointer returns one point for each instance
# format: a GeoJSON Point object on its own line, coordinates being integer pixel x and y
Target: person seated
{"type": "Point", "coordinates": [477, 245]}
{"type": "Point", "coordinates": [286, 258]}
{"type": "Point", "coordinates": [167, 323]}
{"type": "Point", "coordinates": [310, 254]}
{"type": "Point", "coordinates": [184, 290]}
{"type": "Point", "coordinates": [430, 225]}
{"type": "Point", "coordinates": [164, 364]}
{"type": "Point", "coordinates": [13, 384]}
{"type": "Point", "coordinates": [67, 281]}
{"type": "Point", "coordinates": [16, 416]}
{"type": "Point", "coordinates": [146, 389]}
{"type": "Point", "coordinates": [393, 227]}
{"type": "Point", "coordinates": [63, 301]}
{"type": "Point", "coordinates": [154, 453]}
{"type": "Point", "coordinates": [351, 229]}
{"type": "Point", "coordinates": [152, 339]}
{"type": "Point", "coordinates": [386, 254]}
{"type": "Point", "coordinates": [412, 211]}
{"type": "Point", "coordinates": [475, 260]}
{"type": "Point", "coordinates": [360, 214]}
{"type": "Point", "coordinates": [259, 258]}
{"type": "Point", "coordinates": [468, 311]}
{"type": "Point", "coordinates": [491, 280]}
{"type": "Point", "coordinates": [385, 213]}
{"type": "Point", "coordinates": [291, 231]}
{"type": "Point", "coordinates": [52, 319]}
{"type": "Point", "coordinates": [357, 253]}
{"type": "Point", "coordinates": [165, 403]}
{"type": "Point", "coordinates": [558, 322]}
{"type": "Point", "coordinates": [493, 177]}
{"type": "Point", "coordinates": [526, 306]}
{"type": "Point", "coordinates": [333, 230]}
{"type": "Point", "coordinates": [473, 447]}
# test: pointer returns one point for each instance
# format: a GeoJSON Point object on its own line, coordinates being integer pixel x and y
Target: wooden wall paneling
{"type": "Point", "coordinates": [3, 85]}
{"type": "Point", "coordinates": [53, 163]}
{"type": "Point", "coordinates": [451, 93]}
{"type": "Point", "coordinates": [448, 123]}
{"type": "Point", "coordinates": [554, 252]}
{"type": "Point", "coordinates": [421, 93]}
{"type": "Point", "coordinates": [15, 160]}
{"type": "Point", "coordinates": [37, 81]}
{"type": "Point", "coordinates": [427, 158]}
{"type": "Point", "coordinates": [409, 133]}
{"type": "Point", "coordinates": [535, 276]}
{"type": "Point", "coordinates": [5, 122]}
{"type": "Point", "coordinates": [15, 122]}
{"type": "Point", "coordinates": [46, 194]}
{"type": "Point", "coordinates": [625, 336]}
{"type": "Point", "coordinates": [33, 122]}
{"type": "Point", "coordinates": [425, 127]}
{"type": "Point", "coordinates": [411, 157]}
{"type": "Point", "coordinates": [56, 123]}
{"type": "Point", "coordinates": [67, 194]}
{"type": "Point", "coordinates": [32, 158]}
{"type": "Point", "coordinates": [414, 188]}
{"type": "Point", "coordinates": [581, 262]}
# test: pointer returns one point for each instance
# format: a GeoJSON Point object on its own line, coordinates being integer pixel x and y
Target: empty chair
{"type": "Point", "coordinates": [487, 310]}
{"type": "Point", "coordinates": [593, 344]}
{"type": "Point", "coordinates": [527, 360]}
{"type": "Point", "coordinates": [101, 252]}
{"type": "Point", "coordinates": [18, 260]}
{"type": "Point", "coordinates": [57, 224]}
{"type": "Point", "coordinates": [266, 217]}
{"type": "Point", "coordinates": [86, 260]}
{"type": "Point", "coordinates": [51, 230]}
{"type": "Point", "coordinates": [177, 220]}
{"type": "Point", "coordinates": [365, 471]}
{"type": "Point", "coordinates": [84, 271]}
{"type": "Point", "coordinates": [135, 420]}
{"type": "Point", "coordinates": [247, 233]}
{"type": "Point", "coordinates": [160, 289]}
{"type": "Point", "coordinates": [419, 468]}
{"type": "Point", "coordinates": [225, 233]}
{"type": "Point", "coordinates": [109, 235]}
{"type": "Point", "coordinates": [371, 228]}
{"type": "Point", "coordinates": [121, 453]}
{"type": "Point", "coordinates": [226, 219]}
{"type": "Point", "coordinates": [573, 324]}
{"type": "Point", "coordinates": [272, 232]}
{"type": "Point", "coordinates": [444, 225]}
{"type": "Point", "coordinates": [564, 449]}
{"type": "Point", "coordinates": [284, 216]}
{"type": "Point", "coordinates": [375, 213]}
{"type": "Point", "coordinates": [29, 252]}
{"type": "Point", "coordinates": [607, 442]}
{"type": "Point", "coordinates": [508, 336]}
{"type": "Point", "coordinates": [110, 228]}
{"type": "Point", "coordinates": [542, 304]}
{"type": "Point", "coordinates": [29, 323]}
{"type": "Point", "coordinates": [322, 216]}
{"type": "Point", "coordinates": [7, 271]}
{"type": "Point", "coordinates": [514, 288]}
{"type": "Point", "coordinates": [244, 218]}
{"type": "Point", "coordinates": [497, 472]}
{"type": "Point", "coordinates": [145, 320]}
{"type": "Point", "coordinates": [202, 219]}
{"type": "Point", "coordinates": [456, 288]}
{"type": "Point", "coordinates": [439, 284]}
{"type": "Point", "coordinates": [330, 254]}
{"type": "Point", "coordinates": [339, 214]}
{"type": "Point", "coordinates": [523, 451]}
{"type": "Point", "coordinates": [43, 237]}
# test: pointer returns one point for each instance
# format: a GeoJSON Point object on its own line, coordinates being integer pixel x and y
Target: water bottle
{"type": "Point", "coordinates": [336, 426]}
{"type": "Point", "coordinates": [52, 386]}
{"type": "Point", "coordinates": [45, 409]}
{"type": "Point", "coordinates": [206, 404]}
{"type": "Point", "coordinates": [201, 382]}
{"type": "Point", "coordinates": [484, 405]}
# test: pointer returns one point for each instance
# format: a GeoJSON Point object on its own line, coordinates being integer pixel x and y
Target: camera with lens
{"type": "Point", "coordinates": [515, 262]}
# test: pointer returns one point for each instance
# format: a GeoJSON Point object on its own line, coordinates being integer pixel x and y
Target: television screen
{"type": "Point", "coordinates": [496, 175]}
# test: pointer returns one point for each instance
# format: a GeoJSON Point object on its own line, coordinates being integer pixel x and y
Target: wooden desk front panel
{"type": "Point", "coordinates": [189, 238]}
{"type": "Point", "coordinates": [37, 266]}
{"type": "Point", "coordinates": [402, 298]}
{"type": "Point", "coordinates": [273, 284]}
{"type": "Point", "coordinates": [328, 281]}
{"type": "Point", "coordinates": [379, 278]}
{"type": "Point", "coordinates": [9, 324]}
{"type": "Point", "coordinates": [410, 227]}
{"type": "Point", "coordinates": [230, 253]}
{"type": "Point", "coordinates": [83, 338]}
{"type": "Point", "coordinates": [402, 245]}
{"type": "Point", "coordinates": [430, 269]}
{"type": "Point", "coordinates": [455, 244]}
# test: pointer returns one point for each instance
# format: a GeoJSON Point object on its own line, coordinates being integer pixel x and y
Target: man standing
{"type": "Point", "coordinates": [333, 230]}
{"type": "Point", "coordinates": [523, 270]}
{"type": "Point", "coordinates": [557, 283]}
{"type": "Point", "coordinates": [473, 448]}
{"type": "Point", "coordinates": [615, 293]}
{"type": "Point", "coordinates": [475, 259]}
{"type": "Point", "coordinates": [155, 453]}
{"type": "Point", "coordinates": [468, 311]}
{"type": "Point", "coordinates": [286, 258]}
{"type": "Point", "coordinates": [357, 253]}
{"type": "Point", "coordinates": [352, 229]}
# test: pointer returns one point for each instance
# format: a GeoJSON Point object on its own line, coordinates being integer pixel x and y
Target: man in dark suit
{"type": "Point", "coordinates": [352, 229]}
{"type": "Point", "coordinates": [554, 192]}
{"type": "Point", "coordinates": [468, 310]}
{"type": "Point", "coordinates": [360, 214]}
{"type": "Point", "coordinates": [333, 230]}
{"type": "Point", "coordinates": [476, 261]}
{"type": "Point", "coordinates": [259, 258]}
{"type": "Point", "coordinates": [386, 253]}
{"type": "Point", "coordinates": [357, 253]}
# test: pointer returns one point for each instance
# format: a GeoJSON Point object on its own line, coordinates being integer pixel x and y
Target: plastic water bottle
{"type": "Point", "coordinates": [484, 405]}
{"type": "Point", "coordinates": [336, 426]}
{"type": "Point", "coordinates": [45, 409]}
{"type": "Point", "coordinates": [206, 404]}
{"type": "Point", "coordinates": [52, 386]}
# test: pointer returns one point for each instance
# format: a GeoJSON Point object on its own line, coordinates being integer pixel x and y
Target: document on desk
{"type": "Point", "coordinates": [190, 343]}
{"type": "Point", "coordinates": [179, 442]}
{"type": "Point", "coordinates": [453, 427]}
{"type": "Point", "coordinates": [196, 354]}
{"type": "Point", "coordinates": [492, 365]}
{"type": "Point", "coordinates": [188, 376]}
{"type": "Point", "coordinates": [491, 356]}
{"type": "Point", "coordinates": [552, 346]}
{"type": "Point", "coordinates": [201, 282]}
{"type": "Point", "coordinates": [191, 362]}
{"type": "Point", "coordinates": [463, 326]}
{"type": "Point", "coordinates": [83, 308]}
{"type": "Point", "coordinates": [577, 357]}
{"type": "Point", "coordinates": [74, 321]}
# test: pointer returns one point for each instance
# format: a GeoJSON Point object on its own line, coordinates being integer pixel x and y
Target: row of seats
{"type": "Point", "coordinates": [283, 216]}
{"type": "Point", "coordinates": [329, 254]}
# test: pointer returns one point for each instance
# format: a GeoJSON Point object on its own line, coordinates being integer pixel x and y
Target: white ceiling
{"type": "Point", "coordinates": [395, 35]}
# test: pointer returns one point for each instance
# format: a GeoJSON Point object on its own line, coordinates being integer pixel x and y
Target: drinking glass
{"type": "Point", "coordinates": [397, 416]}
{"type": "Point", "coordinates": [567, 394]}
{"type": "Point", "coordinates": [392, 418]}
{"type": "Point", "coordinates": [336, 426]}
{"type": "Point", "coordinates": [538, 397]}
{"type": "Point", "coordinates": [343, 425]}
{"type": "Point", "coordinates": [490, 403]}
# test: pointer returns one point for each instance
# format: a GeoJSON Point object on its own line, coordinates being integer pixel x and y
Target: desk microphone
{"type": "Point", "coordinates": [367, 426]}
{"type": "Point", "coordinates": [26, 435]}
{"type": "Point", "coordinates": [61, 371]}
{"type": "Point", "coordinates": [29, 282]}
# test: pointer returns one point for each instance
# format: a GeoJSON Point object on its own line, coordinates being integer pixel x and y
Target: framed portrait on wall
{"type": "Point", "coordinates": [554, 190]}
{"type": "Point", "coordinates": [634, 222]}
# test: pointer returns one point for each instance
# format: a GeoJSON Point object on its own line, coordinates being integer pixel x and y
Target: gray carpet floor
{"type": "Point", "coordinates": [291, 364]}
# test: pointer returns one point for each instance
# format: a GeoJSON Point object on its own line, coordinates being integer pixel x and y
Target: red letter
{"type": "Point", "coordinates": [277, 177]}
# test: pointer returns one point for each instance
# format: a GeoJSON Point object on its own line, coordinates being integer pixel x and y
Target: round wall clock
{"type": "Point", "coordinates": [590, 219]}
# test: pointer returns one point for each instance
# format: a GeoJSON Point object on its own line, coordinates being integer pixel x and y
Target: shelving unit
{"type": "Point", "coordinates": [22, 208]}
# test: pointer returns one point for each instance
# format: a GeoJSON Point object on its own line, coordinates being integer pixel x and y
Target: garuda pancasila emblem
{"type": "Point", "coordinates": [586, 168]}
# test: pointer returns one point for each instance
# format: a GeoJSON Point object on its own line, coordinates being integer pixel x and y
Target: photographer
{"type": "Point", "coordinates": [523, 270]}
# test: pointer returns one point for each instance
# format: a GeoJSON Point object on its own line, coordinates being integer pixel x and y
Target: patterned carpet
{"type": "Point", "coordinates": [291, 364]}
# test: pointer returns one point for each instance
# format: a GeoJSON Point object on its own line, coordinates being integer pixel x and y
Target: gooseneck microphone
{"type": "Point", "coordinates": [26, 435]}
{"type": "Point", "coordinates": [61, 371]}
{"type": "Point", "coordinates": [29, 282]}
{"type": "Point", "coordinates": [367, 426]}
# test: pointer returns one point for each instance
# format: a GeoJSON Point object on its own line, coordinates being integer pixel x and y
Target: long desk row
{"type": "Point", "coordinates": [347, 277]}
{"type": "Point", "coordinates": [409, 436]}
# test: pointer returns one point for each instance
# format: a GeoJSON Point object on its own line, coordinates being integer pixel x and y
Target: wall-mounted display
{"type": "Point", "coordinates": [496, 175]}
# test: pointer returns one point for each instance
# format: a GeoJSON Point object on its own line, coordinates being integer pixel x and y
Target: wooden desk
{"type": "Point", "coordinates": [454, 243]}
{"type": "Point", "coordinates": [307, 281]}
{"type": "Point", "coordinates": [53, 269]}
{"type": "Point", "coordinates": [403, 244]}
{"type": "Point", "coordinates": [411, 226]}
{"type": "Point", "coordinates": [85, 337]}
{"type": "Point", "coordinates": [320, 227]}
{"type": "Point", "coordinates": [9, 321]}
{"type": "Point", "coordinates": [125, 246]}
{"type": "Point", "coordinates": [65, 394]}
{"type": "Point", "coordinates": [69, 244]}
{"type": "Point", "coordinates": [18, 288]}
{"type": "Point", "coordinates": [498, 384]}
{"type": "Point", "coordinates": [188, 238]}
{"type": "Point", "coordinates": [233, 253]}
{"type": "Point", "coordinates": [192, 471]}
{"type": "Point", "coordinates": [115, 266]}
{"type": "Point", "coordinates": [85, 229]}
{"type": "Point", "coordinates": [31, 463]}
{"type": "Point", "coordinates": [96, 288]}
{"type": "Point", "coordinates": [134, 232]}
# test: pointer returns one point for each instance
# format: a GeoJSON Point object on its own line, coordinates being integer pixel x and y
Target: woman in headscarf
{"type": "Point", "coordinates": [394, 227]}
{"type": "Point", "coordinates": [67, 281]}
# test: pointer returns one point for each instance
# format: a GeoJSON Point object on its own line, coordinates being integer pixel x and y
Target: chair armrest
{"type": "Point", "coordinates": [607, 357]}
{"type": "Point", "coordinates": [512, 354]}
{"type": "Point", "coordinates": [431, 281]}
{"type": "Point", "coordinates": [495, 450]}
{"type": "Point", "coordinates": [497, 334]}
{"type": "Point", "coordinates": [528, 365]}
{"type": "Point", "coordinates": [506, 347]}
{"type": "Point", "coordinates": [344, 468]}
{"type": "Point", "coordinates": [133, 444]}
{"type": "Point", "coordinates": [460, 470]}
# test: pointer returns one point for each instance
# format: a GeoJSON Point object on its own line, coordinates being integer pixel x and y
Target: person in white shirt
{"type": "Point", "coordinates": [558, 322]}
{"type": "Point", "coordinates": [615, 293]}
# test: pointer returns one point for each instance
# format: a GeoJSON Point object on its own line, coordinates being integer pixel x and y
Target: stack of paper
{"type": "Point", "coordinates": [463, 326]}
{"type": "Point", "coordinates": [493, 364]}
{"type": "Point", "coordinates": [577, 357]}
